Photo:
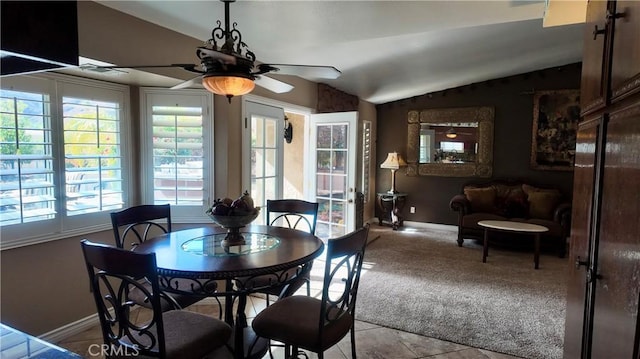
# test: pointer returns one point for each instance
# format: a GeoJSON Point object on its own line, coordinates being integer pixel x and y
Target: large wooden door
{"type": "Point", "coordinates": [593, 87]}
{"type": "Point", "coordinates": [603, 297]}
{"type": "Point", "coordinates": [617, 270]}
{"type": "Point", "coordinates": [625, 61]}
{"type": "Point", "coordinates": [584, 176]}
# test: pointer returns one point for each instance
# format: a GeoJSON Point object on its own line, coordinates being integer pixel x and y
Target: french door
{"type": "Point", "coordinates": [263, 138]}
{"type": "Point", "coordinates": [333, 148]}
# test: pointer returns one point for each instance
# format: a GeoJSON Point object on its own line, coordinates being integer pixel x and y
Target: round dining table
{"type": "Point", "coordinates": [194, 261]}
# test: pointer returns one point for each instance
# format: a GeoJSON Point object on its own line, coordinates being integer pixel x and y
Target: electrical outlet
{"type": "Point", "coordinates": [413, 209]}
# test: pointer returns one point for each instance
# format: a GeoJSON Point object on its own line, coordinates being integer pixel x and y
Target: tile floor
{"type": "Point", "coordinates": [372, 341]}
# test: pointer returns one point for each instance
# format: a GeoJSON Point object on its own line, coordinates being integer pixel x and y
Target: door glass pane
{"type": "Point", "coordinates": [257, 162]}
{"type": "Point", "coordinates": [323, 161]}
{"type": "Point", "coordinates": [270, 162]}
{"type": "Point", "coordinates": [264, 161]}
{"type": "Point", "coordinates": [339, 187]}
{"type": "Point", "coordinates": [323, 185]}
{"type": "Point", "coordinates": [257, 137]}
{"type": "Point", "coordinates": [324, 137]}
{"type": "Point", "coordinates": [337, 211]}
{"type": "Point", "coordinates": [340, 162]}
{"type": "Point", "coordinates": [340, 136]}
{"type": "Point", "coordinates": [269, 188]}
{"type": "Point", "coordinates": [270, 133]}
{"type": "Point", "coordinates": [331, 179]}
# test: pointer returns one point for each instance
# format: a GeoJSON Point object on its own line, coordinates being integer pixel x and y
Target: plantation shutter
{"type": "Point", "coordinates": [92, 156]}
{"type": "Point", "coordinates": [178, 155]}
{"type": "Point", "coordinates": [27, 188]}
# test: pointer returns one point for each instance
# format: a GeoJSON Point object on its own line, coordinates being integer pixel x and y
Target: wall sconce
{"type": "Point", "coordinates": [393, 162]}
{"type": "Point", "coordinates": [288, 130]}
{"type": "Point", "coordinates": [451, 133]}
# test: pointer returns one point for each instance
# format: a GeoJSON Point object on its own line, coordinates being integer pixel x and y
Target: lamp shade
{"type": "Point", "coordinates": [228, 85]}
{"type": "Point", "coordinates": [394, 161]}
{"type": "Point", "coordinates": [451, 133]}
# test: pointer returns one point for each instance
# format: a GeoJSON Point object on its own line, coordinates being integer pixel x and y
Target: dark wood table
{"type": "Point", "coordinates": [192, 261]}
{"type": "Point", "coordinates": [390, 206]}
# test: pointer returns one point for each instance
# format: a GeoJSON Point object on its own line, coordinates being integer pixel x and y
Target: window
{"type": "Point", "coordinates": [27, 192]}
{"type": "Point", "coordinates": [62, 164]}
{"type": "Point", "coordinates": [178, 157]}
{"type": "Point", "coordinates": [448, 146]}
{"type": "Point", "coordinates": [93, 165]}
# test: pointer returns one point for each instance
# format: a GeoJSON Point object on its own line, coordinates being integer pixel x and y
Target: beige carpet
{"type": "Point", "coordinates": [420, 281]}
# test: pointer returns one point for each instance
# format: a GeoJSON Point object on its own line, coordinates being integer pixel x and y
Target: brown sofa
{"type": "Point", "coordinates": [513, 200]}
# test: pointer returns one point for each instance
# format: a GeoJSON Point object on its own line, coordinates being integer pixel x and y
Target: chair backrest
{"type": "Point", "coordinates": [113, 273]}
{"type": "Point", "coordinates": [293, 213]}
{"type": "Point", "coordinates": [342, 276]}
{"type": "Point", "coordinates": [137, 223]}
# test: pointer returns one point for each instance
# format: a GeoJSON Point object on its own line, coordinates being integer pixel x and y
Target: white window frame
{"type": "Point", "coordinates": [156, 96]}
{"type": "Point", "coordinates": [62, 226]}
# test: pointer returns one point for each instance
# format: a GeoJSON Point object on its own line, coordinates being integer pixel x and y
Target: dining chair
{"type": "Point", "coordinates": [295, 214]}
{"type": "Point", "coordinates": [304, 322]}
{"type": "Point", "coordinates": [137, 224]}
{"type": "Point", "coordinates": [113, 272]}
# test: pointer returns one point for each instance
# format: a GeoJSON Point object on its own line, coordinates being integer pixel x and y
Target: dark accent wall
{"type": "Point", "coordinates": [512, 98]}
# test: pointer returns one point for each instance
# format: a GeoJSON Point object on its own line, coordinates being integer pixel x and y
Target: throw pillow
{"type": "Point", "coordinates": [482, 199]}
{"type": "Point", "coordinates": [543, 203]}
{"type": "Point", "coordinates": [516, 204]}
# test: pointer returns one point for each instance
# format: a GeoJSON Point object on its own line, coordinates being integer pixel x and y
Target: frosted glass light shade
{"type": "Point", "coordinates": [228, 85]}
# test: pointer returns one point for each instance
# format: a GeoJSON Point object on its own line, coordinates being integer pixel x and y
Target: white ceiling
{"type": "Point", "coordinates": [386, 50]}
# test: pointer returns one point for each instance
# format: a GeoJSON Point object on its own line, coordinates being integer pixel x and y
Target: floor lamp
{"type": "Point", "coordinates": [393, 162]}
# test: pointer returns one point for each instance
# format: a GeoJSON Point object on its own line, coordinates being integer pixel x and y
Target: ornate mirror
{"type": "Point", "coordinates": [450, 142]}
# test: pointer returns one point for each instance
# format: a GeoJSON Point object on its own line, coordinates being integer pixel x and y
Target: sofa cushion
{"type": "Point", "coordinates": [481, 199]}
{"type": "Point", "coordinates": [515, 204]}
{"type": "Point", "coordinates": [543, 203]}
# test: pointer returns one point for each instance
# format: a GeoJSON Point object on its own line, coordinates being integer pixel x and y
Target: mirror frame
{"type": "Point", "coordinates": [483, 167]}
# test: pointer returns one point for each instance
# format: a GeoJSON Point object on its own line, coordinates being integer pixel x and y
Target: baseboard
{"type": "Point", "coordinates": [71, 329]}
{"type": "Point", "coordinates": [427, 225]}
{"type": "Point", "coordinates": [430, 225]}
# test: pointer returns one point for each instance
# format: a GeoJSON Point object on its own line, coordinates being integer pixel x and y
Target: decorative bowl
{"type": "Point", "coordinates": [233, 223]}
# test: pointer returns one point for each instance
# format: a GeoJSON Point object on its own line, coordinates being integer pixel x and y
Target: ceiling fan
{"type": "Point", "coordinates": [228, 68]}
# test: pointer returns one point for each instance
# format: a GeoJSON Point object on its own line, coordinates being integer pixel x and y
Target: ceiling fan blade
{"type": "Point", "coordinates": [272, 84]}
{"type": "Point", "coordinates": [196, 81]}
{"type": "Point", "coordinates": [216, 55]}
{"type": "Point", "coordinates": [323, 72]}
{"type": "Point", "coordinates": [188, 67]}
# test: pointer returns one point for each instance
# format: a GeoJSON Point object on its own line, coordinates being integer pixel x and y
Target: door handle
{"type": "Point", "coordinates": [591, 277]}
{"type": "Point", "coordinates": [597, 32]}
{"type": "Point", "coordinates": [580, 262]}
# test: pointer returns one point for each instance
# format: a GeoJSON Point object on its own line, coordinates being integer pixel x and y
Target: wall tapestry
{"type": "Point", "coordinates": [555, 122]}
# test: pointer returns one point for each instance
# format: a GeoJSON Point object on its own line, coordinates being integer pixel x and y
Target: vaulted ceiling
{"type": "Point", "coordinates": [386, 50]}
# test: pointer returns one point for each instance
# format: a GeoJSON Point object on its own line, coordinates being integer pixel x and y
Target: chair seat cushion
{"type": "Point", "coordinates": [193, 335]}
{"type": "Point", "coordinates": [188, 335]}
{"type": "Point", "coordinates": [294, 320]}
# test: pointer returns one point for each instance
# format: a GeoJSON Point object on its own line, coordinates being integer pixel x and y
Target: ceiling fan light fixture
{"type": "Point", "coordinates": [228, 86]}
{"type": "Point", "coordinates": [451, 133]}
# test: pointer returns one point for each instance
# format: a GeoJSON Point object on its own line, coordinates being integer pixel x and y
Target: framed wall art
{"type": "Point", "coordinates": [555, 122]}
